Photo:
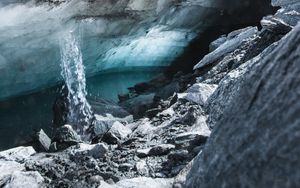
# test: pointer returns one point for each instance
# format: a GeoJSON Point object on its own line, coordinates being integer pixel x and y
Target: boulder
{"type": "Point", "coordinates": [43, 141]}
{"type": "Point", "coordinates": [236, 39]}
{"type": "Point", "coordinates": [162, 149]}
{"type": "Point", "coordinates": [7, 168]}
{"type": "Point", "coordinates": [255, 143]}
{"type": "Point", "coordinates": [65, 137]}
{"type": "Point", "coordinates": [198, 93]}
{"type": "Point", "coordinates": [96, 151]}
{"type": "Point", "coordinates": [19, 154]}
{"type": "Point", "coordinates": [19, 179]}
{"type": "Point", "coordinates": [119, 130]}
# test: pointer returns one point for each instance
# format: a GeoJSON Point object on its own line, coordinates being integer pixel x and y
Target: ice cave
{"type": "Point", "coordinates": [149, 93]}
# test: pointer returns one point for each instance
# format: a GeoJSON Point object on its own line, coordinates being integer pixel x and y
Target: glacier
{"type": "Point", "coordinates": [29, 45]}
{"type": "Point", "coordinates": [114, 35]}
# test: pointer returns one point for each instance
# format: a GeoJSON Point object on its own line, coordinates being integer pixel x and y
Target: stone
{"type": "Point", "coordinates": [96, 151]}
{"type": "Point", "coordinates": [103, 124]}
{"type": "Point", "coordinates": [283, 2]}
{"type": "Point", "coordinates": [227, 47]}
{"type": "Point", "coordinates": [125, 167]}
{"type": "Point", "coordinates": [110, 138]}
{"type": "Point", "coordinates": [142, 168]}
{"type": "Point", "coordinates": [20, 179]}
{"type": "Point", "coordinates": [43, 141]}
{"type": "Point", "coordinates": [198, 93]}
{"type": "Point", "coordinates": [65, 137]}
{"type": "Point", "coordinates": [119, 130]}
{"type": "Point", "coordinates": [143, 152]}
{"type": "Point", "coordinates": [259, 146]}
{"type": "Point", "coordinates": [145, 183]}
{"type": "Point", "coordinates": [7, 168]}
{"type": "Point", "coordinates": [162, 149]}
{"type": "Point", "coordinates": [19, 154]}
{"type": "Point", "coordinates": [190, 140]}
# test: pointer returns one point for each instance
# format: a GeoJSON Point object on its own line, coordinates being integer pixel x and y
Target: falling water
{"type": "Point", "coordinates": [80, 113]}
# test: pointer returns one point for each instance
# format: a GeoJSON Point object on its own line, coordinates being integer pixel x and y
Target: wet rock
{"type": "Point", "coordinates": [137, 106]}
{"type": "Point", "coordinates": [102, 107]}
{"type": "Point", "coordinates": [65, 137]}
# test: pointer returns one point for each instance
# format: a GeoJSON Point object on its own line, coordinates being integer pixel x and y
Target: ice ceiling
{"type": "Point", "coordinates": [115, 35]}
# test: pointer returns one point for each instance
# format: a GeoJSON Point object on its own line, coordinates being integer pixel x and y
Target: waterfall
{"type": "Point", "coordinates": [80, 113]}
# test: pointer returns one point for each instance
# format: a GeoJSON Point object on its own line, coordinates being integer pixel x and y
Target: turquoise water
{"type": "Point", "coordinates": [20, 116]}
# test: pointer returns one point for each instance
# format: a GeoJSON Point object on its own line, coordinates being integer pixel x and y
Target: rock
{"type": "Point", "coordinates": [110, 138]}
{"type": "Point", "coordinates": [20, 179]}
{"type": "Point", "coordinates": [229, 87]}
{"type": "Point", "coordinates": [229, 46]}
{"type": "Point", "coordinates": [259, 146]}
{"type": "Point", "coordinates": [275, 25]}
{"type": "Point", "coordinates": [125, 167]}
{"type": "Point", "coordinates": [143, 152]}
{"type": "Point", "coordinates": [53, 147]}
{"type": "Point", "coordinates": [7, 168]}
{"type": "Point", "coordinates": [142, 168]}
{"type": "Point", "coordinates": [169, 90]}
{"type": "Point", "coordinates": [217, 43]}
{"type": "Point", "coordinates": [137, 106]}
{"type": "Point", "coordinates": [96, 151]}
{"type": "Point", "coordinates": [179, 155]}
{"type": "Point", "coordinates": [95, 179]}
{"type": "Point", "coordinates": [198, 93]}
{"type": "Point", "coordinates": [119, 130]}
{"type": "Point", "coordinates": [103, 124]}
{"type": "Point", "coordinates": [19, 154]}
{"type": "Point", "coordinates": [143, 182]}
{"type": "Point", "coordinates": [103, 107]}
{"type": "Point", "coordinates": [43, 141]}
{"type": "Point", "coordinates": [283, 2]}
{"type": "Point", "coordinates": [65, 137]}
{"type": "Point", "coordinates": [153, 112]}
{"type": "Point", "coordinates": [190, 140]}
{"type": "Point", "coordinates": [162, 149]}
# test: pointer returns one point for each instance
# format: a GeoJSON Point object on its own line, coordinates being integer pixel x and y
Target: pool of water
{"type": "Point", "coordinates": [20, 116]}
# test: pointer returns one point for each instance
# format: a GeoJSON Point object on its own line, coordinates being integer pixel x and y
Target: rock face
{"type": "Point", "coordinates": [255, 142]}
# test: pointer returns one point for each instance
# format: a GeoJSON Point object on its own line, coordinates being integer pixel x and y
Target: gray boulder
{"type": "Point", "coordinates": [21, 179]}
{"type": "Point", "coordinates": [255, 144]}
{"type": "Point", "coordinates": [19, 154]}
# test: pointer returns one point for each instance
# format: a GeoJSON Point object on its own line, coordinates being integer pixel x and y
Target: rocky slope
{"type": "Point", "coordinates": [233, 122]}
